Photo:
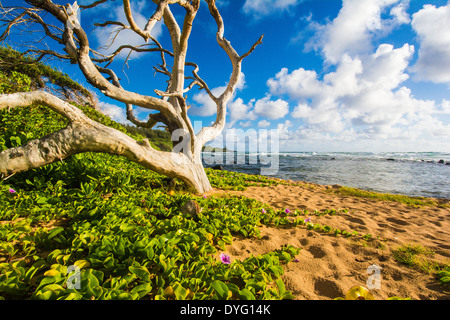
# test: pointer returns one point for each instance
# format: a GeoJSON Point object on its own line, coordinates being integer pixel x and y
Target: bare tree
{"type": "Point", "coordinates": [85, 135]}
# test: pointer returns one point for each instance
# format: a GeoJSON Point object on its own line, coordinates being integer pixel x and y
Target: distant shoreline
{"type": "Point", "coordinates": [412, 174]}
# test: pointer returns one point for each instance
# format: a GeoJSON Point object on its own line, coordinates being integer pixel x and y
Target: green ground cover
{"type": "Point", "coordinates": [123, 228]}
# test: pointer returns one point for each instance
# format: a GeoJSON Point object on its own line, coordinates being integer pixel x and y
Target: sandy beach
{"type": "Point", "coordinates": [328, 265]}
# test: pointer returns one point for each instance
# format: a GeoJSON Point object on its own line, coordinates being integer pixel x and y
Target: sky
{"type": "Point", "coordinates": [330, 76]}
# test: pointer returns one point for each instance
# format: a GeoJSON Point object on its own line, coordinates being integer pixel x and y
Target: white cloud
{"type": "Point", "coordinates": [238, 110]}
{"type": "Point", "coordinates": [364, 93]}
{"type": "Point", "coordinates": [364, 101]}
{"type": "Point", "coordinates": [246, 124]}
{"type": "Point", "coordinates": [222, 3]}
{"type": "Point", "coordinates": [432, 25]}
{"type": "Point", "coordinates": [399, 12]}
{"type": "Point", "coordinates": [283, 130]}
{"type": "Point", "coordinates": [299, 83]}
{"type": "Point", "coordinates": [261, 8]}
{"type": "Point", "coordinates": [445, 106]}
{"type": "Point", "coordinates": [273, 110]}
{"type": "Point", "coordinates": [113, 111]}
{"type": "Point", "coordinates": [263, 124]}
{"type": "Point", "coordinates": [206, 107]}
{"type": "Point", "coordinates": [352, 30]}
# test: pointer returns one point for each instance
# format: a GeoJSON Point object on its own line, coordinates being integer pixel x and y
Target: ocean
{"type": "Point", "coordinates": [419, 174]}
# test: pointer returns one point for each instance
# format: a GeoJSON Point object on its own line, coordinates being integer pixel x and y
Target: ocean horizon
{"type": "Point", "coordinates": [417, 174]}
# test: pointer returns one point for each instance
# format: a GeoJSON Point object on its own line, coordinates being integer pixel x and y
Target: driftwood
{"type": "Point", "coordinates": [85, 135]}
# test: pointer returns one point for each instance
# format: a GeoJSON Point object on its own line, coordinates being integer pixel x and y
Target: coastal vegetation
{"type": "Point", "coordinates": [123, 228]}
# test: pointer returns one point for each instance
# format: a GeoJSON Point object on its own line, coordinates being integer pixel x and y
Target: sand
{"type": "Point", "coordinates": [328, 265]}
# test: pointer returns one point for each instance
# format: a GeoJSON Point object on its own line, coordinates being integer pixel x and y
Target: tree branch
{"type": "Point", "coordinates": [90, 71]}
{"type": "Point", "coordinates": [85, 135]}
{"type": "Point", "coordinates": [92, 5]}
{"type": "Point", "coordinates": [146, 33]}
{"type": "Point", "coordinates": [209, 133]}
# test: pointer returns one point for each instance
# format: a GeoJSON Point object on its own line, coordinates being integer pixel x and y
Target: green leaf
{"type": "Point", "coordinates": [281, 287]}
{"type": "Point", "coordinates": [49, 292]}
{"type": "Point", "coordinates": [246, 294]}
{"type": "Point", "coordinates": [37, 266]}
{"type": "Point", "coordinates": [91, 283]}
{"type": "Point", "coordinates": [142, 289]}
{"type": "Point", "coordinates": [180, 291]}
{"type": "Point", "coordinates": [82, 264]}
{"type": "Point", "coordinates": [120, 247]}
{"type": "Point", "coordinates": [276, 270]}
{"type": "Point", "coordinates": [42, 200]}
{"type": "Point", "coordinates": [445, 280]}
{"type": "Point", "coordinates": [54, 232]}
{"type": "Point", "coordinates": [288, 296]}
{"type": "Point", "coordinates": [150, 252]}
{"type": "Point", "coordinates": [220, 288]}
{"type": "Point", "coordinates": [141, 272]}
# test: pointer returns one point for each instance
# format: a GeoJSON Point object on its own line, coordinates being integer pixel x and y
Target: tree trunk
{"type": "Point", "coordinates": [85, 135]}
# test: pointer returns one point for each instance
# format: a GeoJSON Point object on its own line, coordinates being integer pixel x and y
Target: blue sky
{"type": "Point", "coordinates": [352, 75]}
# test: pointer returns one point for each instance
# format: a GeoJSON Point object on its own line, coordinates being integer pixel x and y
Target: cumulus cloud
{"type": "Point", "coordinates": [432, 25]}
{"type": "Point", "coordinates": [113, 111]}
{"type": "Point", "coordinates": [263, 124]}
{"type": "Point", "coordinates": [271, 109]}
{"type": "Point", "coordinates": [364, 93]}
{"type": "Point", "coordinates": [365, 97]}
{"type": "Point", "coordinates": [351, 32]}
{"type": "Point", "coordinates": [205, 107]}
{"type": "Point", "coordinates": [238, 110]}
{"type": "Point", "coordinates": [262, 8]}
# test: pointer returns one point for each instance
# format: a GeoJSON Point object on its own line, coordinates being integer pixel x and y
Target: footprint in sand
{"type": "Point", "coordinates": [436, 223]}
{"type": "Point", "coordinates": [398, 221]}
{"type": "Point", "coordinates": [317, 252]}
{"type": "Point", "coordinates": [304, 242]}
{"type": "Point", "coordinates": [356, 220]}
{"type": "Point", "coordinates": [327, 288]}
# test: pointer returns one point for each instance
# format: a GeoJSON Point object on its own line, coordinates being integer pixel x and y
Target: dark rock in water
{"type": "Point", "coordinates": [333, 158]}
{"type": "Point", "coordinates": [448, 163]}
{"type": "Point", "coordinates": [217, 167]}
{"type": "Point", "coordinates": [441, 161]}
{"type": "Point", "coordinates": [390, 159]}
{"type": "Point", "coordinates": [191, 208]}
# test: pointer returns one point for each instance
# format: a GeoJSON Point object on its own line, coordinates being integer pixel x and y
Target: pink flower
{"type": "Point", "coordinates": [263, 210]}
{"type": "Point", "coordinates": [287, 211]}
{"type": "Point", "coordinates": [204, 196]}
{"type": "Point", "coordinates": [12, 190]}
{"type": "Point", "coordinates": [224, 258]}
{"type": "Point", "coordinates": [308, 220]}
{"type": "Point", "coordinates": [295, 260]}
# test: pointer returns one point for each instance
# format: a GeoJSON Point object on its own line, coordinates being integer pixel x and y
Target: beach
{"type": "Point", "coordinates": [329, 265]}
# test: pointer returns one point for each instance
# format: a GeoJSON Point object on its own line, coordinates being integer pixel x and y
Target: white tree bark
{"type": "Point", "coordinates": [85, 135]}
